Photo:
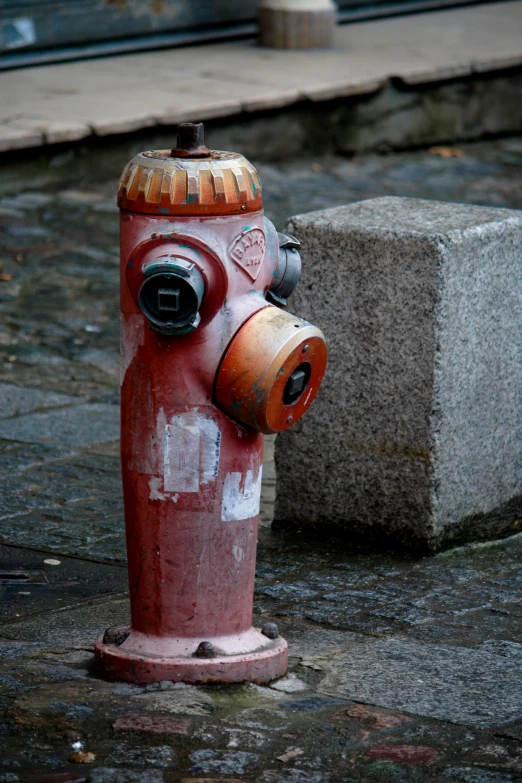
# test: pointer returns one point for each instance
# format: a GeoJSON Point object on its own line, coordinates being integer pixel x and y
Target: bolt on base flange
{"type": "Point", "coordinates": [297, 24]}
{"type": "Point", "coordinates": [260, 667]}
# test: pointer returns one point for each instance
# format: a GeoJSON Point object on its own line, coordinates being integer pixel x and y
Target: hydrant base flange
{"type": "Point", "coordinates": [260, 667]}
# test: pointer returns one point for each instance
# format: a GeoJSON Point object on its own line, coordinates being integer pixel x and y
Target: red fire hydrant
{"type": "Point", "coordinates": [208, 365]}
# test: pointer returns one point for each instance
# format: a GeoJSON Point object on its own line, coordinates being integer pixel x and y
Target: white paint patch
{"type": "Point", "coordinates": [238, 553]}
{"type": "Point", "coordinates": [191, 452]}
{"type": "Point", "coordinates": [182, 446]}
{"type": "Point", "coordinates": [51, 561]}
{"type": "Point", "coordinates": [155, 485]}
{"type": "Point", "coordinates": [241, 496]}
{"type": "Point", "coordinates": [156, 457]}
{"type": "Point", "coordinates": [210, 448]}
{"type": "Point", "coordinates": [18, 33]}
{"type": "Point", "coordinates": [147, 455]}
{"type": "Point", "coordinates": [132, 335]}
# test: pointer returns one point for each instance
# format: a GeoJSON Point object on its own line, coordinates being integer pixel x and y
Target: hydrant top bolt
{"type": "Point", "coordinates": [191, 141]}
{"type": "Point", "coordinates": [270, 630]}
{"type": "Point", "coordinates": [205, 650]}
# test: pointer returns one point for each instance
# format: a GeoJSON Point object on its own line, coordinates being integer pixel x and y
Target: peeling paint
{"type": "Point", "coordinates": [155, 484]}
{"type": "Point", "coordinates": [241, 496]}
{"type": "Point", "coordinates": [192, 445]}
{"type": "Point", "coordinates": [132, 336]}
{"type": "Point", "coordinates": [238, 553]}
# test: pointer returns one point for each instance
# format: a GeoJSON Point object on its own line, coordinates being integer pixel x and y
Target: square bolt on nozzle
{"type": "Point", "coordinates": [296, 382]}
{"type": "Point", "coordinates": [168, 299]}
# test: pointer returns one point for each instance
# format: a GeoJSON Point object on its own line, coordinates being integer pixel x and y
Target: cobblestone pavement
{"type": "Point", "coordinates": [402, 668]}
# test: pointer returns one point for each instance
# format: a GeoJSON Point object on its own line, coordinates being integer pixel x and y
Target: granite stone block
{"type": "Point", "coordinates": [416, 435]}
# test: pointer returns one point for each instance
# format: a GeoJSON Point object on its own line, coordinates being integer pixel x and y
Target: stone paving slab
{"type": "Point", "coordinates": [467, 686]}
{"type": "Point", "coordinates": [15, 400]}
{"type": "Point", "coordinates": [51, 584]}
{"type": "Point", "coordinates": [455, 620]}
{"type": "Point", "coordinates": [81, 425]}
{"type": "Point", "coordinates": [49, 692]}
{"type": "Point", "coordinates": [59, 103]}
{"type": "Point", "coordinates": [73, 627]}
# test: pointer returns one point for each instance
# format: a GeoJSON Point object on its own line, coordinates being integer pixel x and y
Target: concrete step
{"type": "Point", "coordinates": [68, 102]}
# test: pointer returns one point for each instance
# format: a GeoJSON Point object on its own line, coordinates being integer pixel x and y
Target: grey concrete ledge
{"type": "Point", "coordinates": [73, 101]}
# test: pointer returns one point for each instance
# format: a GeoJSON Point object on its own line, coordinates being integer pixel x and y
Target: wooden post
{"type": "Point", "coordinates": [297, 24]}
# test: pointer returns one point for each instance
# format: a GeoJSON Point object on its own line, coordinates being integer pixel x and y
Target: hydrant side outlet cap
{"type": "Point", "coordinates": [271, 371]}
{"type": "Point", "coordinates": [288, 271]}
{"type": "Point", "coordinates": [190, 180]}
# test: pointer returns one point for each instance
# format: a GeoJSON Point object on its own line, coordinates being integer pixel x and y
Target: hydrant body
{"type": "Point", "coordinates": [197, 260]}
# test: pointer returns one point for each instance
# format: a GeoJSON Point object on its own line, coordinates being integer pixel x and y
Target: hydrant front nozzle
{"type": "Point", "coordinates": [191, 141]}
{"type": "Point", "coordinates": [171, 294]}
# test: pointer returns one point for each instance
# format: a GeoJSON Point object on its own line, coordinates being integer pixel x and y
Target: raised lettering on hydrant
{"type": "Point", "coordinates": [209, 362]}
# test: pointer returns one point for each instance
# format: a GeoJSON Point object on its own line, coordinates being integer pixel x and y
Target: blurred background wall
{"type": "Point", "coordinates": [33, 31]}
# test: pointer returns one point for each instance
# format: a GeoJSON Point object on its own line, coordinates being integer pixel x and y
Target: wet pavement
{"type": "Point", "coordinates": [401, 668]}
